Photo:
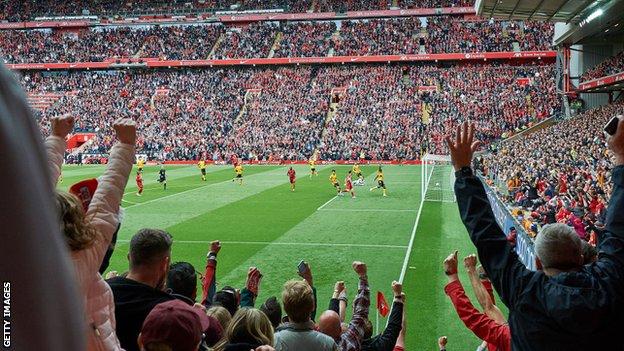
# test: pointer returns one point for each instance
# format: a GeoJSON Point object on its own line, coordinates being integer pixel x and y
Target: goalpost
{"type": "Point", "coordinates": [438, 178]}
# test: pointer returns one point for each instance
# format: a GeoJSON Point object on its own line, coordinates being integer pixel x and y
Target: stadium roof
{"type": "Point", "coordinates": [568, 11]}
{"type": "Point", "coordinates": [606, 16]}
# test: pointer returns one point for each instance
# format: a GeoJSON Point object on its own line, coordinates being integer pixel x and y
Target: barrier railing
{"type": "Point", "coordinates": [524, 244]}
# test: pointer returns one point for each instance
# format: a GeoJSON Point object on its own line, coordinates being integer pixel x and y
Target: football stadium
{"type": "Point", "coordinates": [312, 175]}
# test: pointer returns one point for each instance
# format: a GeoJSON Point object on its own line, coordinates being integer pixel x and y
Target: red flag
{"type": "Point", "coordinates": [382, 304]}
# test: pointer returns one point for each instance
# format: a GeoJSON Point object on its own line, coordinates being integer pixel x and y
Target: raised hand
{"type": "Point", "coordinates": [397, 288]}
{"type": "Point", "coordinates": [339, 287]}
{"type": "Point", "coordinates": [463, 147]}
{"type": "Point", "coordinates": [307, 274]}
{"type": "Point", "coordinates": [125, 128]}
{"type": "Point", "coordinates": [450, 264]}
{"type": "Point", "coordinates": [470, 262]}
{"type": "Point", "coordinates": [360, 268]}
{"type": "Point", "coordinates": [62, 126]}
{"type": "Point", "coordinates": [616, 143]}
{"type": "Point", "coordinates": [215, 247]}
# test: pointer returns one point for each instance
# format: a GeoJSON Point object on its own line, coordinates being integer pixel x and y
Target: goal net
{"type": "Point", "coordinates": [438, 178]}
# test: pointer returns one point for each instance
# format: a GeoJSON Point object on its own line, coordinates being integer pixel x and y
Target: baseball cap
{"type": "Point", "coordinates": [176, 324]}
{"type": "Point", "coordinates": [84, 191]}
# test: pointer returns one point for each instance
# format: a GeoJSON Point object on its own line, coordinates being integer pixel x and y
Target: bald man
{"type": "Point", "coordinates": [330, 322]}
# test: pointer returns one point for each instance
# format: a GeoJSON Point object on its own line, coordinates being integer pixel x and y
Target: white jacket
{"type": "Point", "coordinates": [103, 214]}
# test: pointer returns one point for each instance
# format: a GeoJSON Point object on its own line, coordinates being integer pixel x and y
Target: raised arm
{"type": "Point", "coordinates": [484, 327]}
{"type": "Point", "coordinates": [252, 286]}
{"type": "Point", "coordinates": [103, 210]}
{"type": "Point", "coordinates": [615, 219]}
{"type": "Point", "coordinates": [483, 296]}
{"type": "Point", "coordinates": [355, 332]}
{"type": "Point", "coordinates": [388, 339]}
{"type": "Point", "coordinates": [496, 255]}
{"type": "Point", "coordinates": [209, 283]}
{"type": "Point", "coordinates": [55, 145]}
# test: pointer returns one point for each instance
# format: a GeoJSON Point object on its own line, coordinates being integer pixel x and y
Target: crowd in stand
{"type": "Point", "coordinates": [15, 10]}
{"type": "Point", "coordinates": [438, 34]}
{"type": "Point", "coordinates": [381, 112]}
{"type": "Point", "coordinates": [252, 41]}
{"type": "Point", "coordinates": [559, 174]}
{"type": "Point", "coordinates": [612, 65]}
{"type": "Point", "coordinates": [170, 42]}
{"type": "Point", "coordinates": [453, 34]}
{"type": "Point", "coordinates": [306, 39]}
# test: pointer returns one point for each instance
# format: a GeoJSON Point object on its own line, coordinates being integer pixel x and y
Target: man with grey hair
{"type": "Point", "coordinates": [565, 305]}
{"type": "Point", "coordinates": [558, 249]}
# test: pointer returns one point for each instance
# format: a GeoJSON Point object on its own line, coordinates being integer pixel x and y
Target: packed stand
{"type": "Point", "coordinates": [379, 37]}
{"type": "Point", "coordinates": [283, 119]}
{"type": "Point", "coordinates": [379, 112]}
{"type": "Point", "coordinates": [16, 11]}
{"type": "Point", "coordinates": [612, 65]}
{"type": "Point", "coordinates": [252, 41]}
{"type": "Point", "coordinates": [96, 45]}
{"type": "Point", "coordinates": [454, 34]}
{"type": "Point", "coordinates": [558, 174]}
{"type": "Point", "coordinates": [180, 43]}
{"type": "Point", "coordinates": [306, 39]}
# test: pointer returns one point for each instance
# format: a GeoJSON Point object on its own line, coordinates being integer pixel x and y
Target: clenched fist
{"type": "Point", "coordinates": [125, 128]}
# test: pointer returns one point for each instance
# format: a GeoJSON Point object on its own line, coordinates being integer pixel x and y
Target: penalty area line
{"type": "Point", "coordinates": [327, 203]}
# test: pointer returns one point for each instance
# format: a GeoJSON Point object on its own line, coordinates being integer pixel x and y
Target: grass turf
{"type": "Point", "coordinates": [262, 223]}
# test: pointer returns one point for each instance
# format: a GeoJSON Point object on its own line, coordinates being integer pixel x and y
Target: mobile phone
{"type": "Point", "coordinates": [612, 126]}
{"type": "Point", "coordinates": [302, 266]}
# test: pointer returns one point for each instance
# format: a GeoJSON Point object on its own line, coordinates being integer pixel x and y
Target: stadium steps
{"type": "Point", "coordinates": [335, 37]}
{"type": "Point", "coordinates": [278, 40]}
{"type": "Point", "coordinates": [216, 46]}
{"type": "Point", "coordinates": [249, 97]}
{"type": "Point", "coordinates": [42, 102]}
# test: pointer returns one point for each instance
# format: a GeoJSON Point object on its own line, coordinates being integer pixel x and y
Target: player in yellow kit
{"type": "Point", "coordinates": [313, 171]}
{"type": "Point", "coordinates": [333, 179]}
{"type": "Point", "coordinates": [358, 173]}
{"type": "Point", "coordinates": [379, 177]}
{"type": "Point", "coordinates": [140, 164]}
{"type": "Point", "coordinates": [202, 167]}
{"type": "Point", "coordinates": [239, 173]}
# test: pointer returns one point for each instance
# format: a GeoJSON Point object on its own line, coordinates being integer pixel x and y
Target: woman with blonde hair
{"type": "Point", "coordinates": [250, 329]}
{"type": "Point", "coordinates": [89, 228]}
{"type": "Point", "coordinates": [221, 314]}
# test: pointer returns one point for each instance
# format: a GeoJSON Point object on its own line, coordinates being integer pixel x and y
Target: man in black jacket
{"type": "Point", "coordinates": [564, 305]}
{"type": "Point", "coordinates": [136, 294]}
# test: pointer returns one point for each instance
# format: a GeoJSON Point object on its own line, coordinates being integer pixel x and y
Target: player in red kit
{"type": "Point", "coordinates": [349, 185]}
{"type": "Point", "coordinates": [292, 176]}
{"type": "Point", "coordinates": [139, 183]}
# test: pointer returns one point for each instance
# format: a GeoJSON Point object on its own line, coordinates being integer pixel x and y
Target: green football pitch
{"type": "Point", "coordinates": [263, 224]}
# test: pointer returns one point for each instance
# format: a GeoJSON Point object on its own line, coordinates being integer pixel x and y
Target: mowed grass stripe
{"type": "Point", "coordinates": [175, 206]}
{"type": "Point", "coordinates": [439, 232]}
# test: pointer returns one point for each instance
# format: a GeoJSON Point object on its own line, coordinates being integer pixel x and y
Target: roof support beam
{"type": "Point", "coordinates": [563, 3]}
{"type": "Point", "coordinates": [514, 9]}
{"type": "Point", "coordinates": [536, 9]}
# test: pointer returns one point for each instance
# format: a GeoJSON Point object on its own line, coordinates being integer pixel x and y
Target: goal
{"type": "Point", "coordinates": [438, 178]}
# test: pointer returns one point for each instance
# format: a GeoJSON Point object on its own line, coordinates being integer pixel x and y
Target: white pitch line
{"type": "Point", "coordinates": [365, 210]}
{"type": "Point", "coordinates": [130, 202]}
{"type": "Point", "coordinates": [411, 242]}
{"type": "Point", "coordinates": [327, 203]}
{"type": "Point", "coordinates": [284, 244]}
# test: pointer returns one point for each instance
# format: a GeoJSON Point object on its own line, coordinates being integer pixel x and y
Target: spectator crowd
{"type": "Point", "coordinates": [612, 65]}
{"type": "Point", "coordinates": [558, 174]}
{"type": "Point", "coordinates": [286, 113]}
{"type": "Point", "coordinates": [396, 36]}
{"type": "Point", "coordinates": [17, 11]}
